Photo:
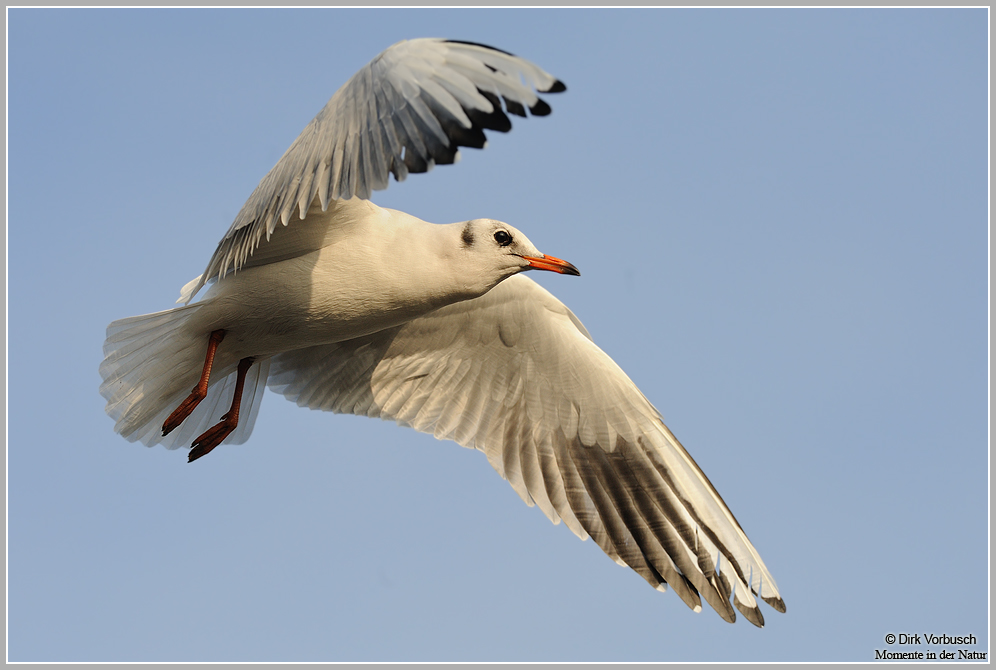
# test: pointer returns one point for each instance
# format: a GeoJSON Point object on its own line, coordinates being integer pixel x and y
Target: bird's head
{"type": "Point", "coordinates": [491, 251]}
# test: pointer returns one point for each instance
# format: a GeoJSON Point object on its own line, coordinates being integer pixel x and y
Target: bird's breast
{"type": "Point", "coordinates": [326, 296]}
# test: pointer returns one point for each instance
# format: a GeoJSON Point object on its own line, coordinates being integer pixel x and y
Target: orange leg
{"type": "Point", "coordinates": [200, 391]}
{"type": "Point", "coordinates": [214, 436]}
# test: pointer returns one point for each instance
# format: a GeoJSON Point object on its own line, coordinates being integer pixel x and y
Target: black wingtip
{"type": "Point", "coordinates": [483, 46]}
{"type": "Point", "coordinates": [512, 107]}
{"type": "Point", "coordinates": [752, 614]}
{"type": "Point", "coordinates": [540, 109]}
{"type": "Point", "coordinates": [556, 87]}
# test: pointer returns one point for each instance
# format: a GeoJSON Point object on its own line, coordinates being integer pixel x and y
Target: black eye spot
{"type": "Point", "coordinates": [467, 235]}
{"type": "Point", "coordinates": [503, 238]}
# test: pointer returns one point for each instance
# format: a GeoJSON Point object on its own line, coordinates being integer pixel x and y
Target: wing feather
{"type": "Point", "coordinates": [407, 110]}
{"type": "Point", "coordinates": [515, 375]}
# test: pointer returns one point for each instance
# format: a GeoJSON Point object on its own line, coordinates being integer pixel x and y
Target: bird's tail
{"type": "Point", "coordinates": [151, 363]}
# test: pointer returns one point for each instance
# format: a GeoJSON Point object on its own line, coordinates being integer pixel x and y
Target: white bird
{"type": "Point", "coordinates": [344, 306]}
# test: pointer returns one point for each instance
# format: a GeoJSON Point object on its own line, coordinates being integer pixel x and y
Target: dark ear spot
{"type": "Point", "coordinates": [467, 235]}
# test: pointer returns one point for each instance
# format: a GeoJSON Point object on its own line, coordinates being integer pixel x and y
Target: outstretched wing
{"type": "Point", "coordinates": [515, 375]}
{"type": "Point", "coordinates": [408, 109]}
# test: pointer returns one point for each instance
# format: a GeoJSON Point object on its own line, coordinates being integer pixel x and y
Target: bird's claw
{"type": "Point", "coordinates": [211, 438]}
{"type": "Point", "coordinates": [184, 410]}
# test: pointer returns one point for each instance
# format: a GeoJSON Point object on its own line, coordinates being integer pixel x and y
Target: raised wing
{"type": "Point", "coordinates": [408, 109]}
{"type": "Point", "coordinates": [515, 375]}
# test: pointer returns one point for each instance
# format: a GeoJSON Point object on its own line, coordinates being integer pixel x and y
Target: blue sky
{"type": "Point", "coordinates": [781, 220]}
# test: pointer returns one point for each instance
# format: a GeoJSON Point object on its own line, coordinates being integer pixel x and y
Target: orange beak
{"type": "Point", "coordinates": [552, 264]}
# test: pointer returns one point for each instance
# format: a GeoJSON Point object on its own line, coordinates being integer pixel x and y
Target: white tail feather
{"type": "Point", "coordinates": [151, 362]}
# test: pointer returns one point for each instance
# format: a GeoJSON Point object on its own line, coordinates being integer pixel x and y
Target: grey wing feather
{"type": "Point", "coordinates": [407, 110]}
{"type": "Point", "coordinates": [514, 375]}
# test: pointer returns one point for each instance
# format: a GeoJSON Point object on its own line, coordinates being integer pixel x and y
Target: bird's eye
{"type": "Point", "coordinates": [503, 238]}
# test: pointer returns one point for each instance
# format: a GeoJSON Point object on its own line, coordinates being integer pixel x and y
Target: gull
{"type": "Point", "coordinates": [344, 306]}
